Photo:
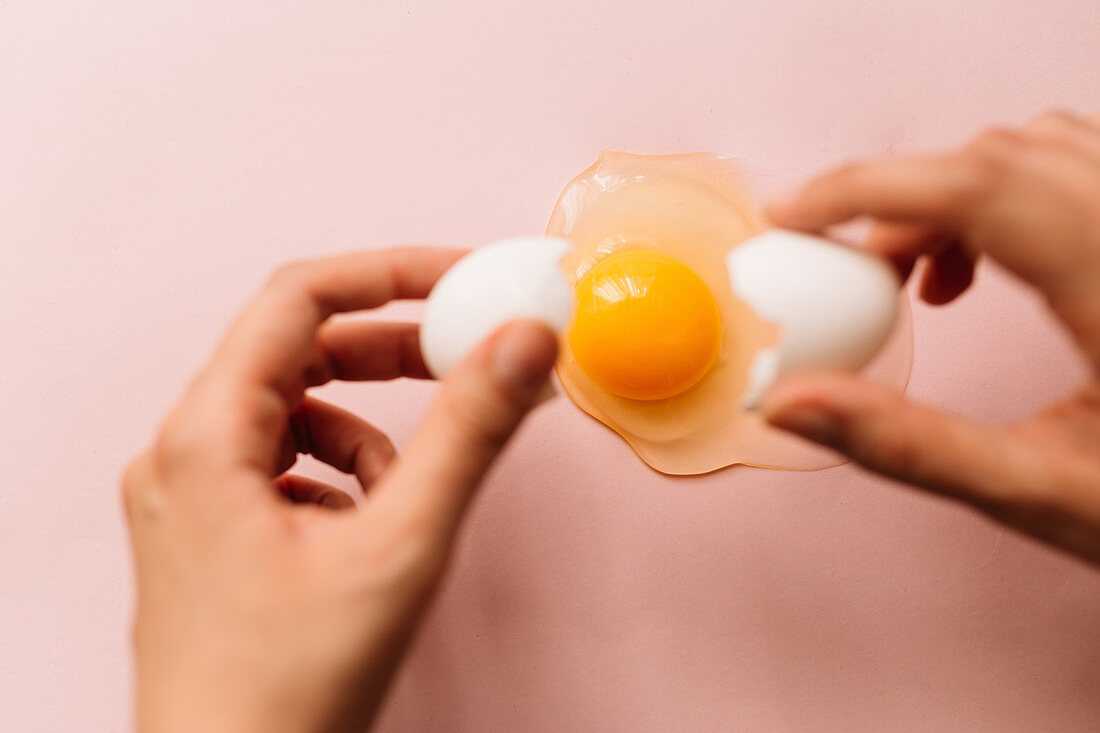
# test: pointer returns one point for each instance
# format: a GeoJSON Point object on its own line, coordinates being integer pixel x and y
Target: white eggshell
{"type": "Point", "coordinates": [835, 306]}
{"type": "Point", "coordinates": [519, 278]}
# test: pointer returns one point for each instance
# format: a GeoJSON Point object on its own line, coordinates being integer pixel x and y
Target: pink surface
{"type": "Point", "coordinates": [158, 159]}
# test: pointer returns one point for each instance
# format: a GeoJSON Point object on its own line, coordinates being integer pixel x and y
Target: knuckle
{"type": "Point", "coordinates": [142, 498]}
{"type": "Point", "coordinates": [175, 445]}
{"type": "Point", "coordinates": [1053, 123]}
{"type": "Point", "coordinates": [848, 174]}
{"type": "Point", "coordinates": [195, 430]}
{"type": "Point", "coordinates": [184, 443]}
{"type": "Point", "coordinates": [992, 152]}
{"type": "Point", "coordinates": [990, 161]}
{"type": "Point", "coordinates": [996, 139]}
{"type": "Point", "coordinates": [289, 275]}
{"type": "Point", "coordinates": [1059, 130]}
{"type": "Point", "coordinates": [133, 479]}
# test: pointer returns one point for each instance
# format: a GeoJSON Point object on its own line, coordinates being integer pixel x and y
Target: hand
{"type": "Point", "coordinates": [267, 601]}
{"type": "Point", "coordinates": [1029, 199]}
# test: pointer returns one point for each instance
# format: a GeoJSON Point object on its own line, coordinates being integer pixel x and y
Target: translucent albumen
{"type": "Point", "coordinates": [694, 209]}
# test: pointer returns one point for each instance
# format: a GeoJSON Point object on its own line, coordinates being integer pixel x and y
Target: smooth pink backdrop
{"type": "Point", "coordinates": [157, 159]}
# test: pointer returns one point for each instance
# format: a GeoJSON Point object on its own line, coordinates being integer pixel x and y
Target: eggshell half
{"type": "Point", "coordinates": [518, 278]}
{"type": "Point", "coordinates": [835, 306]}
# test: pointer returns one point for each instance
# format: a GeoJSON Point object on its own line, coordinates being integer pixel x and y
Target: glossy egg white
{"type": "Point", "coordinates": [517, 278]}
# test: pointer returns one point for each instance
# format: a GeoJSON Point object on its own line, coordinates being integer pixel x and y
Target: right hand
{"type": "Point", "coordinates": [1029, 199]}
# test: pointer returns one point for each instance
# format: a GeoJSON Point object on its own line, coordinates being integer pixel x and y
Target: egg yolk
{"type": "Point", "coordinates": [646, 326]}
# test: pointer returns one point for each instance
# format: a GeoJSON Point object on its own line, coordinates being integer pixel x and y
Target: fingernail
{"type": "Point", "coordinates": [523, 357]}
{"type": "Point", "coordinates": [814, 425]}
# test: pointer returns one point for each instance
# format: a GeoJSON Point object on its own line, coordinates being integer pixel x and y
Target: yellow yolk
{"type": "Point", "coordinates": [646, 326]}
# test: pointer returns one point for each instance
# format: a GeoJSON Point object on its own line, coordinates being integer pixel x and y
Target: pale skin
{"type": "Point", "coordinates": [270, 602]}
{"type": "Point", "coordinates": [1028, 198]}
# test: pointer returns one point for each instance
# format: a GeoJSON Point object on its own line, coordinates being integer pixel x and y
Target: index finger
{"type": "Point", "coordinates": [934, 190]}
{"type": "Point", "coordinates": [270, 344]}
{"type": "Point", "coordinates": [236, 413]}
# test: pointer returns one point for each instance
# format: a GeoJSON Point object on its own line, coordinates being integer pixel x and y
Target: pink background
{"type": "Point", "coordinates": [158, 159]}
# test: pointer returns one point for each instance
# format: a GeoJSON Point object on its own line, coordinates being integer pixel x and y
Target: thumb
{"type": "Point", "coordinates": [482, 402]}
{"type": "Point", "coordinates": [983, 465]}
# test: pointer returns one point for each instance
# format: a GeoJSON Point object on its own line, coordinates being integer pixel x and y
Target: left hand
{"type": "Point", "coordinates": [267, 601]}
